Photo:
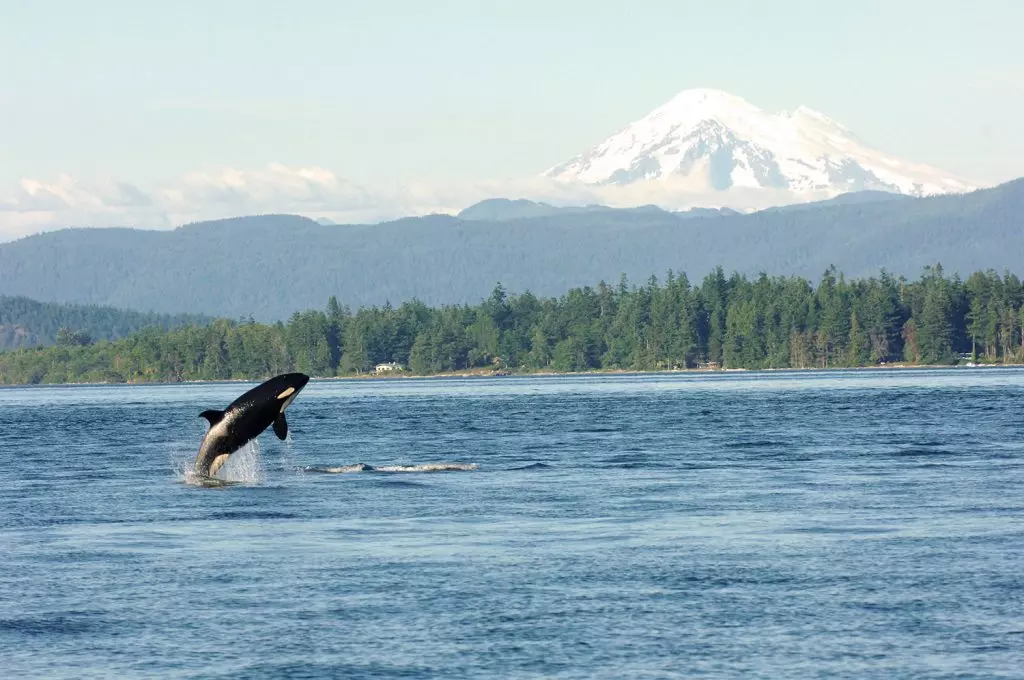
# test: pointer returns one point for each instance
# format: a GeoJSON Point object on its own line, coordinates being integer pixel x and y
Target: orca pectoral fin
{"type": "Point", "coordinates": [281, 426]}
{"type": "Point", "coordinates": [213, 416]}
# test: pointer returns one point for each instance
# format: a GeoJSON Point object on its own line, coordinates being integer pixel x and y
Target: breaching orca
{"type": "Point", "coordinates": [245, 418]}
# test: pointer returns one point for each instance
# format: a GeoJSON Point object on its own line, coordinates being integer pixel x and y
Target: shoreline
{"type": "Point", "coordinates": [488, 373]}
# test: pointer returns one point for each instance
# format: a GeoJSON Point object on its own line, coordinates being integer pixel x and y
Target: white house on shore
{"type": "Point", "coordinates": [387, 368]}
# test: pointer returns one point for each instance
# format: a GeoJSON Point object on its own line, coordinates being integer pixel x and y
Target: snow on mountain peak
{"type": "Point", "coordinates": [710, 140]}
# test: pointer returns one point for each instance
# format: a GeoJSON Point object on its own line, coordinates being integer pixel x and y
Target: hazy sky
{"type": "Point", "coordinates": [386, 93]}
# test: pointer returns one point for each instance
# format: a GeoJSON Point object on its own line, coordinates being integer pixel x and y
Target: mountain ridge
{"type": "Point", "coordinates": [501, 209]}
{"type": "Point", "coordinates": [270, 266]}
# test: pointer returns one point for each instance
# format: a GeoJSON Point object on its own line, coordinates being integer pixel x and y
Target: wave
{"type": "Point", "coordinates": [531, 466]}
{"type": "Point", "coordinates": [249, 514]}
{"type": "Point", "coordinates": [925, 450]}
{"type": "Point", "coordinates": [338, 469]}
{"type": "Point", "coordinates": [363, 467]}
{"type": "Point", "coordinates": [68, 623]}
{"type": "Point", "coordinates": [754, 444]}
{"type": "Point", "coordinates": [428, 467]}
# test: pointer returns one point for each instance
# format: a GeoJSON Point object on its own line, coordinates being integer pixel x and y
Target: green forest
{"type": "Point", "coordinates": [668, 324]}
{"type": "Point", "coordinates": [29, 323]}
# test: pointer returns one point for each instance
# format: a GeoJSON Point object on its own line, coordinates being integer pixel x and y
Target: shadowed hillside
{"type": "Point", "coordinates": [269, 266]}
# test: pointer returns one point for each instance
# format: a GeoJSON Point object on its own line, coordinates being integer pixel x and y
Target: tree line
{"type": "Point", "coordinates": [29, 323]}
{"type": "Point", "coordinates": [721, 322]}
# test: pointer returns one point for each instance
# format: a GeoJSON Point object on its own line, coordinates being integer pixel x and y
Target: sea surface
{"type": "Point", "coordinates": [835, 524]}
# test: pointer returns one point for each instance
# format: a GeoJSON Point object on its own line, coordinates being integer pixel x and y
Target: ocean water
{"type": "Point", "coordinates": [840, 524]}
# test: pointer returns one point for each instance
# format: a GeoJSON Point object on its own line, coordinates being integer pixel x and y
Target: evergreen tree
{"type": "Point", "coordinates": [738, 322]}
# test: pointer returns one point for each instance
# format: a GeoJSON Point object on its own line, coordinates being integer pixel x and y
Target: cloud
{"type": "Point", "coordinates": [314, 188]}
{"type": "Point", "coordinates": [316, 192]}
{"type": "Point", "coordinates": [65, 192]}
{"type": "Point", "coordinates": [38, 205]}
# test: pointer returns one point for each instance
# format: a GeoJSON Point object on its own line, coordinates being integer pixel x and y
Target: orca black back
{"type": "Point", "coordinates": [245, 418]}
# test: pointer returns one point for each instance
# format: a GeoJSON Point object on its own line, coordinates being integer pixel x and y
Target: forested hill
{"type": "Point", "coordinates": [731, 322]}
{"type": "Point", "coordinates": [269, 266]}
{"type": "Point", "coordinates": [29, 323]}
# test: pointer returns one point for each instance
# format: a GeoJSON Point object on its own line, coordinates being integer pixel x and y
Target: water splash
{"type": "Point", "coordinates": [245, 466]}
{"type": "Point", "coordinates": [428, 467]}
{"type": "Point", "coordinates": [287, 455]}
{"type": "Point", "coordinates": [182, 461]}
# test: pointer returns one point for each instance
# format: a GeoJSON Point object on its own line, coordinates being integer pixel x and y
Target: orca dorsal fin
{"type": "Point", "coordinates": [213, 416]}
{"type": "Point", "coordinates": [281, 426]}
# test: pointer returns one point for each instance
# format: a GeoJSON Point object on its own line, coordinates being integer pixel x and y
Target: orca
{"type": "Point", "coordinates": [245, 418]}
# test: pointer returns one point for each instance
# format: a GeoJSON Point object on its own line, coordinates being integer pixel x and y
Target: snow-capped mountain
{"type": "Point", "coordinates": [708, 140]}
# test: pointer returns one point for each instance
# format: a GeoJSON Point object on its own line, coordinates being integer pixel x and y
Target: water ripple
{"type": "Point", "coordinates": [784, 525]}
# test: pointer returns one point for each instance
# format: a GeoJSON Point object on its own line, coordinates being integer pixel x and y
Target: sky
{"type": "Point", "coordinates": [147, 113]}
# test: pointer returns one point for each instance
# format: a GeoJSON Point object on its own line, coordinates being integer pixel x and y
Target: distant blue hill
{"type": "Point", "coordinates": [271, 265]}
{"type": "Point", "coordinates": [504, 209]}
